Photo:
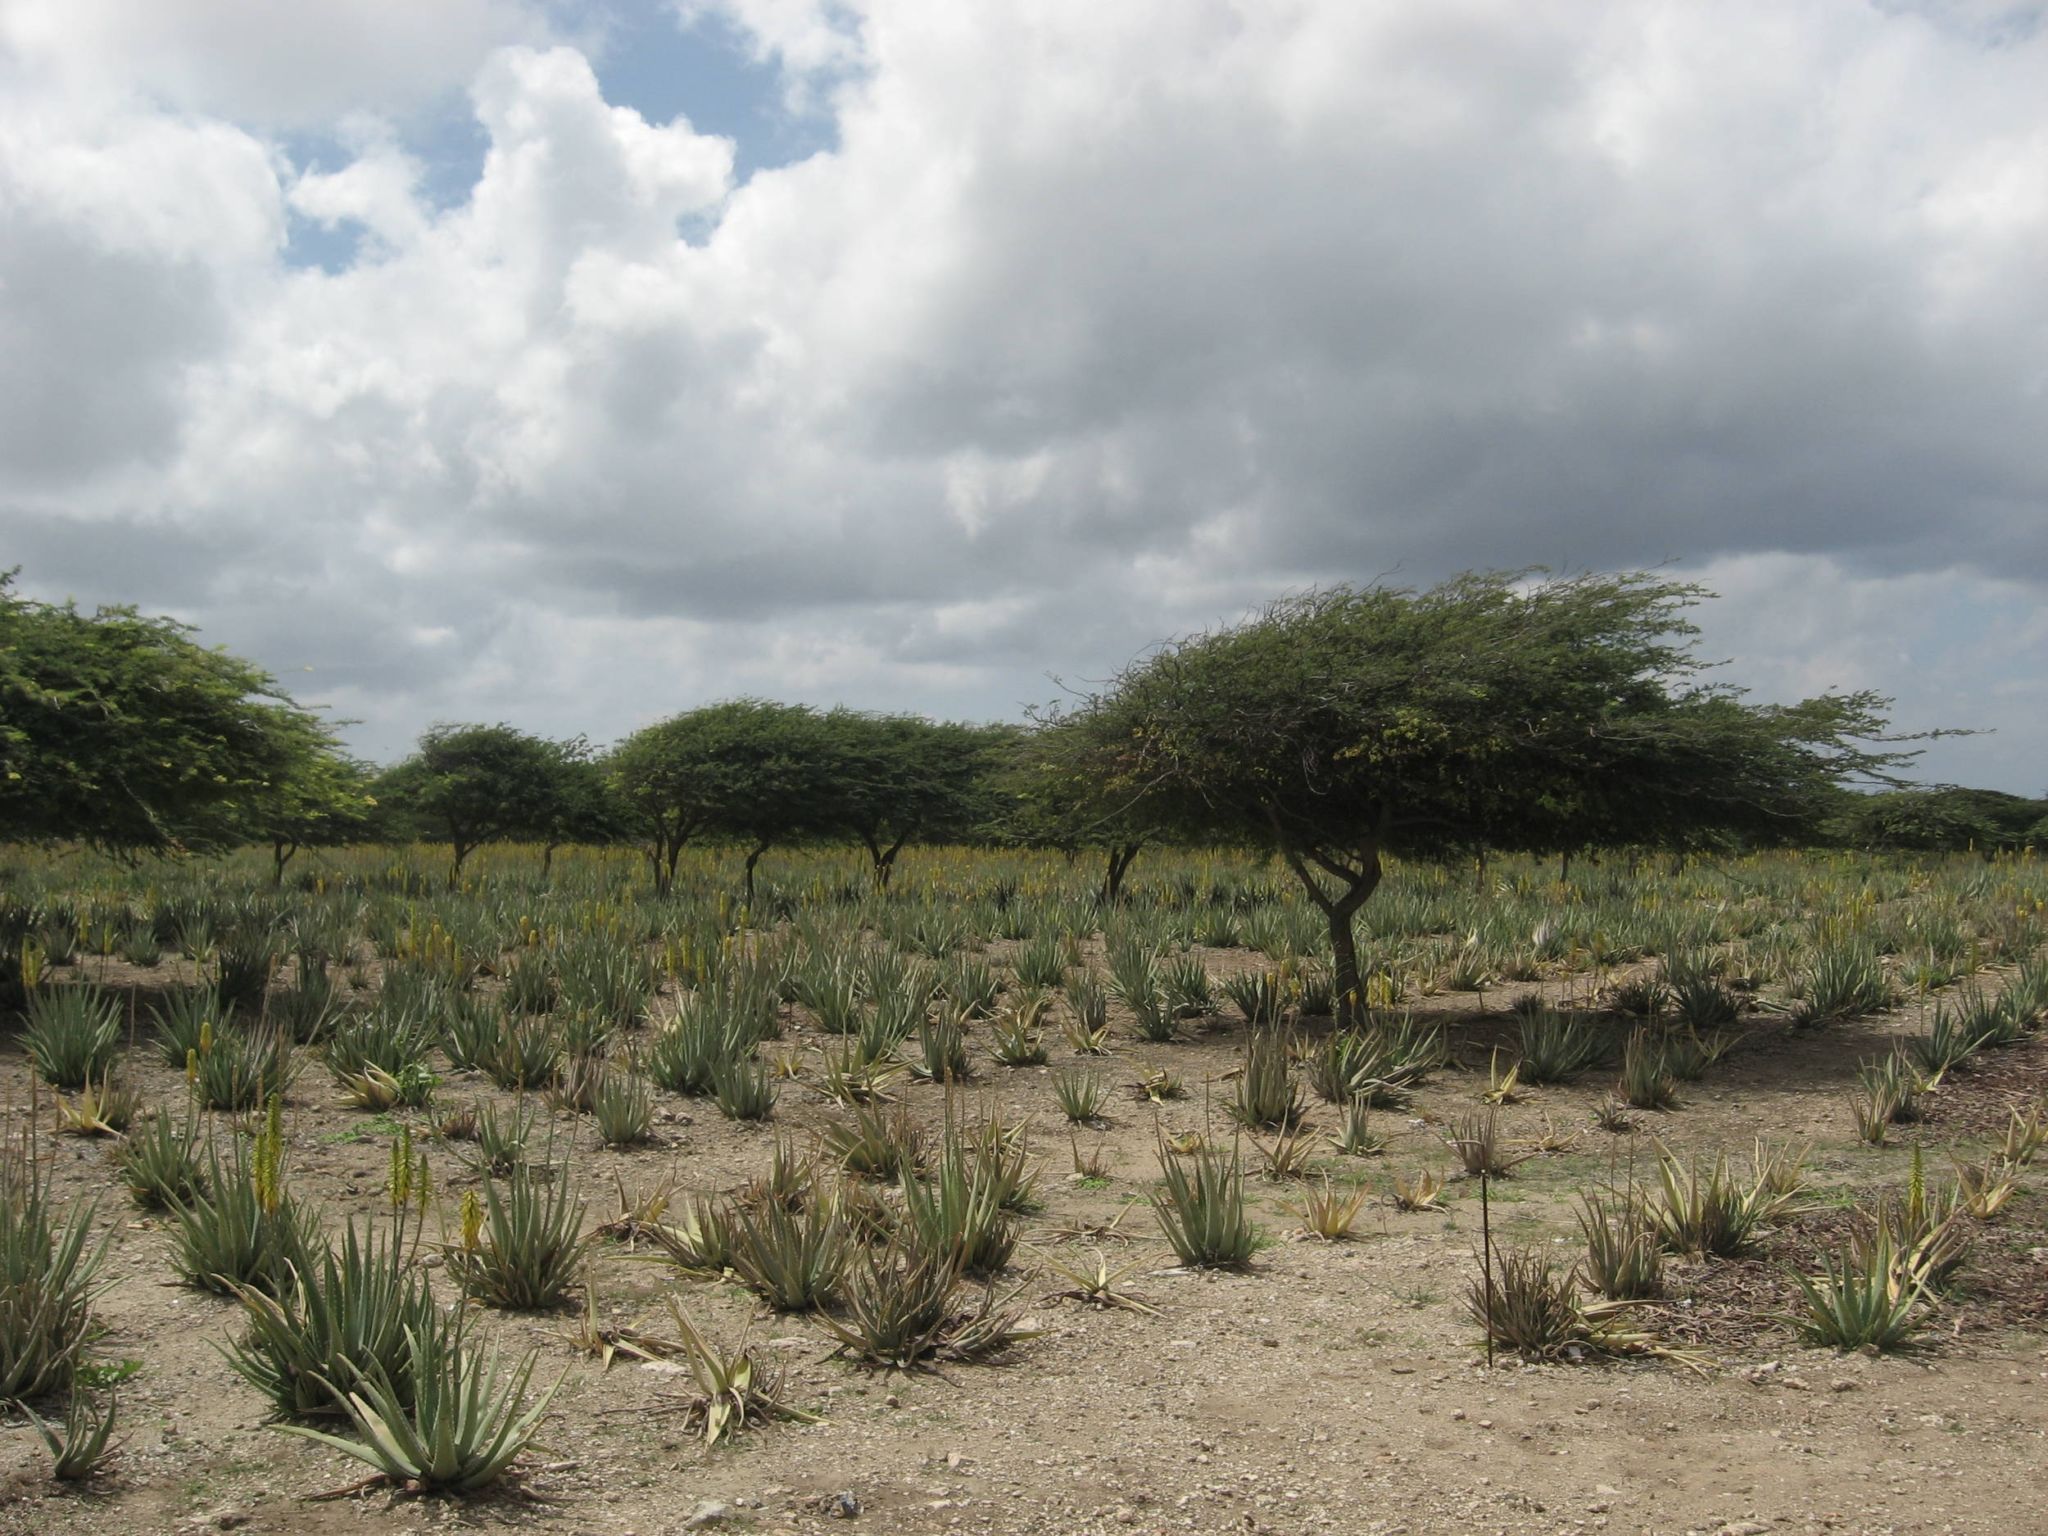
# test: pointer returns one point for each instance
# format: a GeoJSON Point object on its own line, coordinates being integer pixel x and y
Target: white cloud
{"type": "Point", "coordinates": [1099, 323]}
{"type": "Point", "coordinates": [305, 62]}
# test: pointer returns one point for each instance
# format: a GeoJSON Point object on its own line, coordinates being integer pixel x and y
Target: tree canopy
{"type": "Point", "coordinates": [1936, 819]}
{"type": "Point", "coordinates": [123, 732]}
{"type": "Point", "coordinates": [897, 779]}
{"type": "Point", "coordinates": [748, 769]}
{"type": "Point", "coordinates": [468, 785]}
{"type": "Point", "coordinates": [1510, 710]}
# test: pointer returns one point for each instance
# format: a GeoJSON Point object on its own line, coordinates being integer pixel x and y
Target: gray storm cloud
{"type": "Point", "coordinates": [1096, 324]}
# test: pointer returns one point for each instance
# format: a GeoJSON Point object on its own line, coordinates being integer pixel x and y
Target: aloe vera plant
{"type": "Point", "coordinates": [462, 1424]}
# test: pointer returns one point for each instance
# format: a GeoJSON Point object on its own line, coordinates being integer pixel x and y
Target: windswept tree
{"type": "Point", "coordinates": [894, 780]}
{"type": "Point", "coordinates": [1504, 710]}
{"type": "Point", "coordinates": [1051, 793]}
{"type": "Point", "coordinates": [468, 785]}
{"type": "Point", "coordinates": [322, 801]}
{"type": "Point", "coordinates": [582, 809]}
{"type": "Point", "coordinates": [749, 770]}
{"type": "Point", "coordinates": [125, 733]}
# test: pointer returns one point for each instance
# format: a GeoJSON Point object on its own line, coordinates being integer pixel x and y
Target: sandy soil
{"type": "Point", "coordinates": [1334, 1387]}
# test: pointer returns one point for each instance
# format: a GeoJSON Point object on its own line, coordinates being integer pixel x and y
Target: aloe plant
{"type": "Point", "coordinates": [458, 1427]}
{"type": "Point", "coordinates": [72, 1034]}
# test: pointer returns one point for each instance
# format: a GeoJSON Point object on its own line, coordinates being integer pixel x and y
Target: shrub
{"type": "Point", "coordinates": [1200, 1208]}
{"type": "Point", "coordinates": [72, 1034]}
{"type": "Point", "coordinates": [522, 1245]}
{"type": "Point", "coordinates": [159, 1161]}
{"type": "Point", "coordinates": [959, 1215]}
{"type": "Point", "coordinates": [1624, 1258]}
{"type": "Point", "coordinates": [464, 1425]}
{"type": "Point", "coordinates": [181, 1017]}
{"type": "Point", "coordinates": [745, 1089]}
{"type": "Point", "coordinates": [1267, 1096]}
{"type": "Point", "coordinates": [49, 1273]}
{"type": "Point", "coordinates": [623, 1109]}
{"type": "Point", "coordinates": [1645, 1082]}
{"type": "Point", "coordinates": [341, 1319]}
{"type": "Point", "coordinates": [76, 1453]}
{"type": "Point", "coordinates": [1079, 1091]}
{"type": "Point", "coordinates": [1555, 1047]}
{"type": "Point", "coordinates": [791, 1260]}
{"type": "Point", "coordinates": [240, 1066]}
{"type": "Point", "coordinates": [245, 1230]}
{"type": "Point", "coordinates": [1868, 1298]}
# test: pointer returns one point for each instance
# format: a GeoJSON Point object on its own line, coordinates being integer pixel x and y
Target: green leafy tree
{"type": "Point", "coordinates": [756, 772]}
{"type": "Point", "coordinates": [583, 810]}
{"type": "Point", "coordinates": [1051, 794]}
{"type": "Point", "coordinates": [893, 780]}
{"type": "Point", "coordinates": [1920, 820]}
{"type": "Point", "coordinates": [322, 801]}
{"type": "Point", "coordinates": [468, 785]}
{"type": "Point", "coordinates": [123, 732]}
{"type": "Point", "coordinates": [1503, 710]}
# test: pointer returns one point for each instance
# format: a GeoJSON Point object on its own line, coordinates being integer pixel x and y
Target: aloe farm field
{"type": "Point", "coordinates": [969, 1204]}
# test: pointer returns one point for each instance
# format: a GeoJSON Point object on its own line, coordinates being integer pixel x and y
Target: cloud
{"type": "Point", "coordinates": [309, 62]}
{"type": "Point", "coordinates": [1096, 324]}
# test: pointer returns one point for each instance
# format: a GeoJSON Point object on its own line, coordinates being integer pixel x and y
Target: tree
{"type": "Point", "coordinates": [322, 801]}
{"type": "Point", "coordinates": [1927, 820]}
{"type": "Point", "coordinates": [468, 785]}
{"type": "Point", "coordinates": [1052, 795]}
{"type": "Point", "coordinates": [898, 779]}
{"type": "Point", "coordinates": [583, 808]}
{"type": "Point", "coordinates": [1505, 710]}
{"type": "Point", "coordinates": [748, 769]}
{"type": "Point", "coordinates": [123, 732]}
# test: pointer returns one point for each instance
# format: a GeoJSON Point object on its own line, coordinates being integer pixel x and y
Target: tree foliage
{"type": "Point", "coordinates": [1505, 710]}
{"type": "Point", "coordinates": [468, 785]}
{"type": "Point", "coordinates": [1936, 819]}
{"type": "Point", "coordinates": [122, 731]}
{"type": "Point", "coordinates": [892, 780]}
{"type": "Point", "coordinates": [750, 770]}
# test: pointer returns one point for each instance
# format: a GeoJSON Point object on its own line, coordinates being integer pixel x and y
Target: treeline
{"type": "Point", "coordinates": [1507, 711]}
{"type": "Point", "coordinates": [746, 772]}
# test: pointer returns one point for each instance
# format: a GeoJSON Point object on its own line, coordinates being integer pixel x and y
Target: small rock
{"type": "Point", "coordinates": [1841, 1384]}
{"type": "Point", "coordinates": [1744, 1528]}
{"type": "Point", "coordinates": [841, 1505]}
{"type": "Point", "coordinates": [709, 1512]}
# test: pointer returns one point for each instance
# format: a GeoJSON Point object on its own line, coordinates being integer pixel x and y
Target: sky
{"type": "Point", "coordinates": [575, 362]}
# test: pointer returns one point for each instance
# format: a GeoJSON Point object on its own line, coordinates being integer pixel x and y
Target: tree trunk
{"type": "Point", "coordinates": [1356, 886]}
{"type": "Point", "coordinates": [547, 862]}
{"type": "Point", "coordinates": [455, 868]}
{"type": "Point", "coordinates": [883, 859]}
{"type": "Point", "coordinates": [1349, 984]}
{"type": "Point", "coordinates": [753, 858]}
{"type": "Point", "coordinates": [281, 851]}
{"type": "Point", "coordinates": [1121, 856]}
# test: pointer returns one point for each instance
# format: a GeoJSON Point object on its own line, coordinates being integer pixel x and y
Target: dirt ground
{"type": "Point", "coordinates": [1329, 1387]}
